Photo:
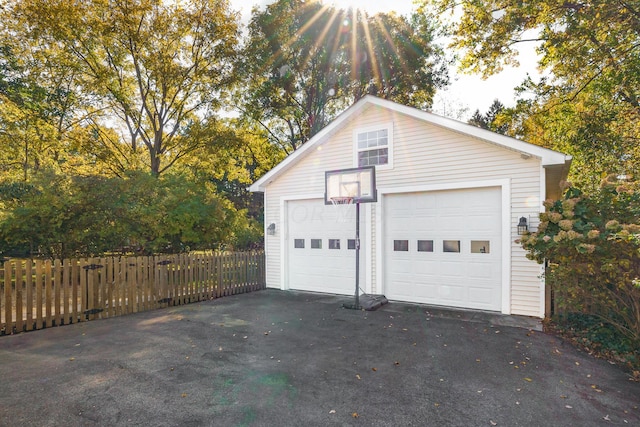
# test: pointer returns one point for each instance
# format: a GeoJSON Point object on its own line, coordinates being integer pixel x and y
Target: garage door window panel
{"type": "Point", "coordinates": [298, 243]}
{"type": "Point", "coordinates": [401, 245]}
{"type": "Point", "coordinates": [316, 243]}
{"type": "Point", "coordinates": [425, 245]}
{"type": "Point", "coordinates": [334, 243]}
{"type": "Point", "coordinates": [480, 246]}
{"type": "Point", "coordinates": [451, 246]}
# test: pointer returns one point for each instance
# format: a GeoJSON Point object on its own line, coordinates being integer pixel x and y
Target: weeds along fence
{"type": "Point", "coordinates": [37, 294]}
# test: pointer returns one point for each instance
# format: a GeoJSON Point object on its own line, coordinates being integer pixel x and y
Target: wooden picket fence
{"type": "Point", "coordinates": [37, 294]}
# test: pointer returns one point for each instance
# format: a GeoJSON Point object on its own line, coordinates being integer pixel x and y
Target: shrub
{"type": "Point", "coordinates": [68, 216]}
{"type": "Point", "coordinates": [592, 249]}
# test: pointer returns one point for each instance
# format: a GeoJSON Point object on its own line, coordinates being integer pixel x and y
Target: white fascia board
{"type": "Point", "coordinates": [547, 156]}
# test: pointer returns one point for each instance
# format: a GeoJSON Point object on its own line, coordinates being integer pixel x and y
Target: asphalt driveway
{"type": "Point", "coordinates": [274, 358]}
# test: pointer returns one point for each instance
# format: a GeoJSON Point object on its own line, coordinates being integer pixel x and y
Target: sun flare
{"type": "Point", "coordinates": [371, 7]}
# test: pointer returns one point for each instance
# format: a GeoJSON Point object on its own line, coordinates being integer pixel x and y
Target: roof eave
{"type": "Point", "coordinates": [318, 139]}
{"type": "Point", "coordinates": [547, 157]}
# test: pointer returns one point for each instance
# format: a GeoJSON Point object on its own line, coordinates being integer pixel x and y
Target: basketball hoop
{"type": "Point", "coordinates": [351, 187]}
{"type": "Point", "coordinates": [342, 214]}
{"type": "Point", "coordinates": [341, 201]}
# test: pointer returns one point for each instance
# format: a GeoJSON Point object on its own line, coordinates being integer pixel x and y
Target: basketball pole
{"type": "Point", "coordinates": [357, 307]}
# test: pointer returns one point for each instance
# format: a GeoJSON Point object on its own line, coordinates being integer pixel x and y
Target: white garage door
{"type": "Point", "coordinates": [444, 248]}
{"type": "Point", "coordinates": [321, 247]}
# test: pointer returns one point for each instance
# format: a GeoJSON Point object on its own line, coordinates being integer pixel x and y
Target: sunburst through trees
{"type": "Point", "coordinates": [304, 62]}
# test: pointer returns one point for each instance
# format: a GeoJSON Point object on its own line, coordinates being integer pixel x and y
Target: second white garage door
{"type": "Point", "coordinates": [444, 248]}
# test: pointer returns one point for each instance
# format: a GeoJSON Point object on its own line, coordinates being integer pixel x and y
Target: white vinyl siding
{"type": "Point", "coordinates": [423, 154]}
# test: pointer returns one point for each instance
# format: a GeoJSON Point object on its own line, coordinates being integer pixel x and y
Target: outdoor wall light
{"type": "Point", "coordinates": [522, 226]}
{"type": "Point", "coordinates": [271, 229]}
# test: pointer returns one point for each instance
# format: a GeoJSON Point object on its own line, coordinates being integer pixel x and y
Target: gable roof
{"type": "Point", "coordinates": [547, 156]}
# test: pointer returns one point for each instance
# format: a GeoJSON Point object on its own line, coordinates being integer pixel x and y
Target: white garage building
{"type": "Point", "coordinates": [444, 226]}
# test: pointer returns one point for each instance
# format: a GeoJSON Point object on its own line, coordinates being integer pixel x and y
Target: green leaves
{"type": "Point", "coordinates": [305, 62]}
{"type": "Point", "coordinates": [592, 245]}
{"type": "Point", "coordinates": [93, 215]}
{"type": "Point", "coordinates": [144, 68]}
{"type": "Point", "coordinates": [588, 103]}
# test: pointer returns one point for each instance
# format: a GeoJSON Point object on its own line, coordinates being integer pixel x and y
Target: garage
{"type": "Point", "coordinates": [444, 226]}
{"type": "Point", "coordinates": [444, 248]}
{"type": "Point", "coordinates": [321, 247]}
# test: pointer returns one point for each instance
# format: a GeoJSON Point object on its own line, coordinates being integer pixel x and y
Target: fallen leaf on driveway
{"type": "Point", "coordinates": [355, 415]}
{"type": "Point", "coordinates": [568, 406]}
{"type": "Point", "coordinates": [606, 418]}
{"type": "Point", "coordinates": [493, 423]}
{"type": "Point", "coordinates": [374, 369]}
{"type": "Point", "coordinates": [358, 376]}
{"type": "Point", "coordinates": [528, 379]}
{"type": "Point", "coordinates": [333, 411]}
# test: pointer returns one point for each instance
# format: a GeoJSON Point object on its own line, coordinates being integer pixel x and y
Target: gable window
{"type": "Point", "coordinates": [373, 146]}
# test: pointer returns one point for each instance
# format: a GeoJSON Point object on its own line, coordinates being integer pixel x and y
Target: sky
{"type": "Point", "coordinates": [468, 92]}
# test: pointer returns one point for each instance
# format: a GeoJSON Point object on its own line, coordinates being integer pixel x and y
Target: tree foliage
{"type": "Point", "coordinates": [588, 104]}
{"type": "Point", "coordinates": [592, 244]}
{"type": "Point", "coordinates": [492, 119]}
{"type": "Point", "coordinates": [304, 62]}
{"type": "Point", "coordinates": [64, 216]}
{"type": "Point", "coordinates": [152, 70]}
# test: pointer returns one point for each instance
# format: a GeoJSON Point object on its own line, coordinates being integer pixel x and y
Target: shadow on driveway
{"type": "Point", "coordinates": [274, 358]}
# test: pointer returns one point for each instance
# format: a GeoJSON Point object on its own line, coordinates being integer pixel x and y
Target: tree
{"type": "Point", "coordinates": [492, 119]}
{"type": "Point", "coordinates": [154, 70]}
{"type": "Point", "coordinates": [34, 112]}
{"type": "Point", "coordinates": [66, 216]}
{"type": "Point", "coordinates": [304, 62]}
{"type": "Point", "coordinates": [589, 105]}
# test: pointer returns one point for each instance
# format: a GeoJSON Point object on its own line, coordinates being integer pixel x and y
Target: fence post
{"type": "Point", "coordinates": [57, 279]}
{"type": "Point", "coordinates": [28, 276]}
{"type": "Point", "coordinates": [8, 300]}
{"type": "Point", "coordinates": [48, 290]}
{"type": "Point", "coordinates": [19, 303]}
{"type": "Point", "coordinates": [66, 281]}
{"type": "Point", "coordinates": [74, 282]}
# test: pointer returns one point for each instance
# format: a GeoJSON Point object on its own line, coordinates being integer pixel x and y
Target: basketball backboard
{"type": "Point", "coordinates": [358, 185]}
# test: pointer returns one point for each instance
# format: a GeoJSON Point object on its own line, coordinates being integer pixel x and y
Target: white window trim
{"type": "Point", "coordinates": [389, 127]}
